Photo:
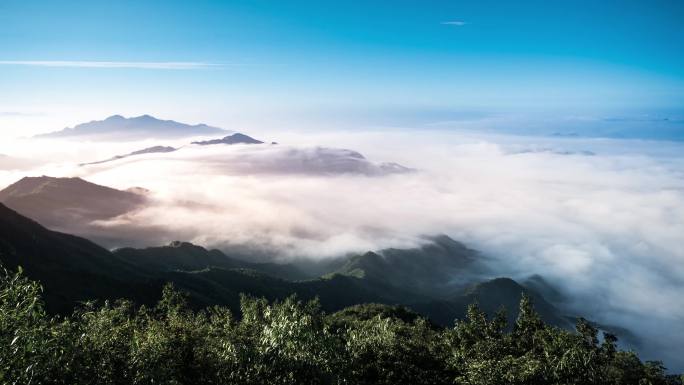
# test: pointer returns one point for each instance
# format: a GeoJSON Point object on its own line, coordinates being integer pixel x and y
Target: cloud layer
{"type": "Point", "coordinates": [606, 228]}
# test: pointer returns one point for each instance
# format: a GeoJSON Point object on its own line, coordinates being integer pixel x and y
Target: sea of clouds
{"type": "Point", "coordinates": [602, 219]}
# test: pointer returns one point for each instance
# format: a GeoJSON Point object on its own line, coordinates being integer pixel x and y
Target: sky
{"type": "Point", "coordinates": [251, 64]}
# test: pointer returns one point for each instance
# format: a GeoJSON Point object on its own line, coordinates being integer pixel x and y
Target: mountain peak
{"type": "Point", "coordinates": [117, 127]}
{"type": "Point", "coordinates": [183, 245]}
{"type": "Point", "coordinates": [56, 201]}
{"type": "Point", "coordinates": [32, 184]}
{"type": "Point", "coordinates": [29, 185]}
{"type": "Point", "coordinates": [236, 138]}
{"type": "Point", "coordinates": [146, 117]}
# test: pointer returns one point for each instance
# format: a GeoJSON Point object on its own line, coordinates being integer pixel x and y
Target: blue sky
{"type": "Point", "coordinates": [239, 61]}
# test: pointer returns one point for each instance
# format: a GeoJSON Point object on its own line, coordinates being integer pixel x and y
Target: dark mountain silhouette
{"type": "Point", "coordinates": [236, 138]}
{"type": "Point", "coordinates": [153, 150]}
{"type": "Point", "coordinates": [55, 202]}
{"type": "Point", "coordinates": [538, 284]}
{"type": "Point", "coordinates": [149, 150]}
{"type": "Point", "coordinates": [70, 268]}
{"type": "Point", "coordinates": [432, 269]}
{"type": "Point", "coordinates": [73, 269]}
{"type": "Point", "coordinates": [491, 296]}
{"type": "Point", "coordinates": [117, 127]}
{"type": "Point", "coordinates": [412, 277]}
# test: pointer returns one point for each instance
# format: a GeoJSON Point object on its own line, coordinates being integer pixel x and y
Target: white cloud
{"type": "Point", "coordinates": [606, 228]}
{"type": "Point", "coordinates": [112, 64]}
{"type": "Point", "coordinates": [457, 23]}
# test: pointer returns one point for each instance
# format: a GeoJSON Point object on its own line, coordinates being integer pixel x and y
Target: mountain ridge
{"type": "Point", "coordinates": [74, 269]}
{"type": "Point", "coordinates": [148, 150]}
{"type": "Point", "coordinates": [71, 268]}
{"type": "Point", "coordinates": [117, 127]}
{"type": "Point", "coordinates": [53, 201]}
{"type": "Point", "coordinates": [236, 138]}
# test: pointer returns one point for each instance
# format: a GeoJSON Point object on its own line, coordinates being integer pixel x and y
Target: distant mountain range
{"type": "Point", "coordinates": [117, 127]}
{"type": "Point", "coordinates": [270, 160]}
{"type": "Point", "coordinates": [236, 138]}
{"type": "Point", "coordinates": [276, 159]}
{"type": "Point", "coordinates": [148, 150]}
{"type": "Point", "coordinates": [73, 201]}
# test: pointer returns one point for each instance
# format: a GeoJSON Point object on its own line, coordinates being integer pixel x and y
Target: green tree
{"type": "Point", "coordinates": [35, 346]}
{"type": "Point", "coordinates": [295, 342]}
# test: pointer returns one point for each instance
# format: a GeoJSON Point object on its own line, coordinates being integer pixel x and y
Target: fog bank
{"type": "Point", "coordinates": [601, 219]}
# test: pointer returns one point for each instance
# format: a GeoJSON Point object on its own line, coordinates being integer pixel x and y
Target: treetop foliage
{"type": "Point", "coordinates": [295, 342]}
